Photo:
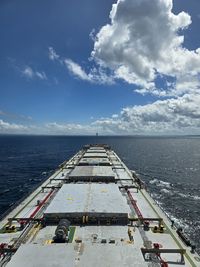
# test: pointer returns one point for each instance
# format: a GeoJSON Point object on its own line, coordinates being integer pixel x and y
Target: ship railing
{"type": "Point", "coordinates": [158, 251]}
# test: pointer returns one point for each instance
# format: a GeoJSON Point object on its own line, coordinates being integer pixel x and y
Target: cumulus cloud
{"type": "Point", "coordinates": [170, 116]}
{"type": "Point", "coordinates": [6, 127]}
{"type": "Point", "coordinates": [179, 115]}
{"type": "Point", "coordinates": [145, 39]}
{"type": "Point", "coordinates": [29, 73]}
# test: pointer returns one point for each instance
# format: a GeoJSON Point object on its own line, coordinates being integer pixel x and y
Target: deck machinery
{"type": "Point", "coordinates": [93, 211]}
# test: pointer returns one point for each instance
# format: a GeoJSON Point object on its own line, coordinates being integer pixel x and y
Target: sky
{"type": "Point", "coordinates": [118, 67]}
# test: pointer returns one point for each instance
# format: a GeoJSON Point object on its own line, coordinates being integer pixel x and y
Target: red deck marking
{"type": "Point", "coordinates": [133, 202]}
{"type": "Point", "coordinates": [41, 204]}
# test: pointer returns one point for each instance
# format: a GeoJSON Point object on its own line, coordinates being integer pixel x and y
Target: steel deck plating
{"type": "Point", "coordinates": [113, 220]}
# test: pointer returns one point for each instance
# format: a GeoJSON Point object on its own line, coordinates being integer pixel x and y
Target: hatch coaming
{"type": "Point", "coordinates": [98, 202]}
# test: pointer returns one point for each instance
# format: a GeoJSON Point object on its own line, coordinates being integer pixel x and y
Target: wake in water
{"type": "Point", "coordinates": [173, 189]}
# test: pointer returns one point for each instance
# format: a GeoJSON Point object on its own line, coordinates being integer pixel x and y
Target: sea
{"type": "Point", "coordinates": [170, 167]}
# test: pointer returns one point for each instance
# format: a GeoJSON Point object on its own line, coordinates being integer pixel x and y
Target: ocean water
{"type": "Point", "coordinates": [170, 166]}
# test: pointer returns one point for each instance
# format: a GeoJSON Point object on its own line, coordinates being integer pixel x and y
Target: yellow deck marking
{"type": "Point", "coordinates": [48, 242]}
{"type": "Point", "coordinates": [104, 191]}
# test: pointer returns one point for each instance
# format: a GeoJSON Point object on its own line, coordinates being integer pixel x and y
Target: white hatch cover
{"type": "Point", "coordinates": [96, 200]}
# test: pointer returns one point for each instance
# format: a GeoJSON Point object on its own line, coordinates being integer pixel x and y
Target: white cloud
{"type": "Point", "coordinates": [41, 75]}
{"type": "Point", "coordinates": [6, 127]}
{"type": "Point", "coordinates": [95, 75]}
{"type": "Point", "coordinates": [100, 76]}
{"type": "Point", "coordinates": [52, 54]}
{"type": "Point", "coordinates": [92, 34]}
{"type": "Point", "coordinates": [172, 116]}
{"type": "Point", "coordinates": [76, 69]}
{"type": "Point", "coordinates": [145, 39]}
{"type": "Point", "coordinates": [29, 73]}
{"type": "Point", "coordinates": [179, 115]}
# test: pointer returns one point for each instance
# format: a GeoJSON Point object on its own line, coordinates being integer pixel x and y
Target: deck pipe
{"type": "Point", "coordinates": [41, 204]}
{"type": "Point", "coordinates": [133, 202]}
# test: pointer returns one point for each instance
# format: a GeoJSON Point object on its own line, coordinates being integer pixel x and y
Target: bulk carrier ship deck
{"type": "Point", "coordinates": [93, 211]}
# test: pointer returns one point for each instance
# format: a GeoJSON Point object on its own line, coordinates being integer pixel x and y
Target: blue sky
{"type": "Point", "coordinates": [77, 67]}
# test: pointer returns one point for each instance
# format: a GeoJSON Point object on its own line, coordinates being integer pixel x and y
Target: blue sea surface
{"type": "Point", "coordinates": [170, 166]}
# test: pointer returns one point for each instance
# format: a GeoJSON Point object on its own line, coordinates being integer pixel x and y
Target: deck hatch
{"type": "Point", "coordinates": [95, 155]}
{"type": "Point", "coordinates": [92, 173]}
{"type": "Point", "coordinates": [96, 151]}
{"type": "Point", "coordinates": [81, 255]}
{"type": "Point", "coordinates": [78, 200]}
{"type": "Point", "coordinates": [94, 162]}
